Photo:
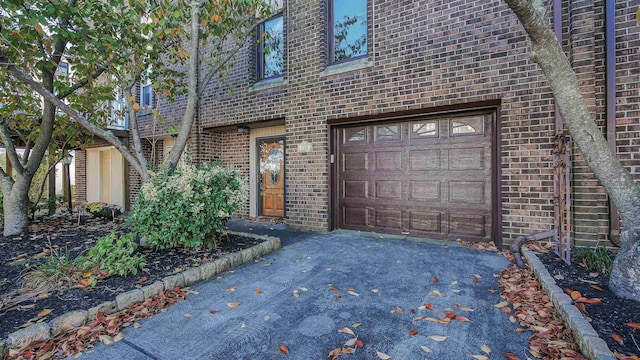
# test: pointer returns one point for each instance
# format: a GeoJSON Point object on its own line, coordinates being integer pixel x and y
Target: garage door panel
{"type": "Point", "coordinates": [467, 192]}
{"type": "Point", "coordinates": [429, 177]}
{"type": "Point", "coordinates": [386, 189]}
{"type": "Point", "coordinates": [355, 216]}
{"type": "Point", "coordinates": [470, 158]}
{"type": "Point", "coordinates": [424, 160]}
{"type": "Point", "coordinates": [388, 218]}
{"type": "Point", "coordinates": [425, 221]}
{"type": "Point", "coordinates": [388, 160]}
{"type": "Point", "coordinates": [425, 191]}
{"type": "Point", "coordinates": [355, 189]}
{"type": "Point", "coordinates": [355, 161]}
{"type": "Point", "coordinates": [467, 224]}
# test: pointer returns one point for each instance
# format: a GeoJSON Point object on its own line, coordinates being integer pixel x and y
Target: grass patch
{"type": "Point", "coordinates": [597, 259]}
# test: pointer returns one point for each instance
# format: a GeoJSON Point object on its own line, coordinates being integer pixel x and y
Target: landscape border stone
{"type": "Point", "coordinates": [591, 345]}
{"type": "Point", "coordinates": [192, 276]}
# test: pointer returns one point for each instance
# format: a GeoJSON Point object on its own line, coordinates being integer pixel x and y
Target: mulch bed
{"type": "Point", "coordinates": [62, 236]}
{"type": "Point", "coordinates": [609, 317]}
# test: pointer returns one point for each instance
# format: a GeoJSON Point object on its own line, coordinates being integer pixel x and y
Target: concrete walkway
{"type": "Point", "coordinates": [304, 300]}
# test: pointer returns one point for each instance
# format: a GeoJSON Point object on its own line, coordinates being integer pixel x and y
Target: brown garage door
{"type": "Point", "coordinates": [423, 177]}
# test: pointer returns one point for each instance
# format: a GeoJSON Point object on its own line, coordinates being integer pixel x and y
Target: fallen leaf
{"type": "Point", "coordinates": [510, 356]}
{"type": "Point", "coordinates": [283, 349]}
{"type": "Point", "coordinates": [118, 337]}
{"type": "Point", "coordinates": [617, 337]}
{"type": "Point", "coordinates": [413, 332]}
{"type": "Point", "coordinates": [233, 288]}
{"type": "Point", "coordinates": [596, 287]}
{"type": "Point", "coordinates": [296, 294]}
{"type": "Point", "coordinates": [334, 289]}
{"type": "Point", "coordinates": [429, 306]}
{"type": "Point", "coordinates": [501, 304]}
{"type": "Point", "coordinates": [399, 310]}
{"type": "Point", "coordinates": [581, 307]}
{"type": "Point", "coordinates": [143, 279]}
{"type": "Point", "coordinates": [575, 295]}
{"type": "Point", "coordinates": [348, 351]}
{"type": "Point", "coordinates": [382, 355]}
{"type": "Point", "coordinates": [346, 330]}
{"type": "Point", "coordinates": [214, 311]}
{"type": "Point", "coordinates": [592, 301]}
{"type": "Point", "coordinates": [304, 289]}
{"type": "Point", "coordinates": [434, 280]}
{"type": "Point", "coordinates": [374, 290]}
{"type": "Point", "coordinates": [438, 338]}
{"type": "Point", "coordinates": [267, 318]}
{"type": "Point", "coordinates": [475, 281]}
{"type": "Point", "coordinates": [187, 315]}
{"type": "Point", "coordinates": [479, 357]}
{"type": "Point", "coordinates": [634, 325]}
{"type": "Point", "coordinates": [258, 291]}
{"type": "Point", "coordinates": [436, 293]}
{"type": "Point", "coordinates": [506, 309]}
{"type": "Point", "coordinates": [477, 276]}
{"type": "Point", "coordinates": [357, 325]}
{"type": "Point", "coordinates": [463, 308]}
{"type": "Point", "coordinates": [85, 282]}
{"type": "Point", "coordinates": [335, 353]}
{"type": "Point", "coordinates": [425, 349]}
{"type": "Point", "coordinates": [243, 326]}
{"type": "Point", "coordinates": [234, 304]}
{"type": "Point", "coordinates": [351, 342]}
{"type": "Point", "coordinates": [462, 319]}
{"type": "Point", "coordinates": [486, 349]}
{"type": "Point", "coordinates": [45, 312]}
{"type": "Point", "coordinates": [353, 293]}
{"type": "Point", "coordinates": [359, 343]}
{"type": "Point", "coordinates": [106, 339]}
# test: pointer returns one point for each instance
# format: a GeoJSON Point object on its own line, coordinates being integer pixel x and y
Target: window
{"type": "Point", "coordinates": [146, 92]}
{"type": "Point", "coordinates": [347, 30]}
{"type": "Point", "coordinates": [270, 49]}
{"type": "Point", "coordinates": [119, 116]}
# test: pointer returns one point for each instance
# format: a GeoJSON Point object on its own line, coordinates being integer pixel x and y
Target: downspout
{"type": "Point", "coordinates": [559, 125]}
{"type": "Point", "coordinates": [610, 89]}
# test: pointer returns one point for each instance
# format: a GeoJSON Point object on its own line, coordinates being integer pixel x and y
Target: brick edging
{"type": "Point", "coordinates": [189, 277]}
{"type": "Point", "coordinates": [591, 345]}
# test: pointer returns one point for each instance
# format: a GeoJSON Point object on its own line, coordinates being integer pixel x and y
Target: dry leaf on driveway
{"type": "Point", "coordinates": [234, 304]}
{"type": "Point", "coordinates": [382, 355]}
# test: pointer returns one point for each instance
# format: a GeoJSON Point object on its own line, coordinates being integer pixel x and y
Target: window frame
{"type": "Point", "coordinates": [146, 82]}
{"type": "Point", "coordinates": [331, 38]}
{"type": "Point", "coordinates": [260, 49]}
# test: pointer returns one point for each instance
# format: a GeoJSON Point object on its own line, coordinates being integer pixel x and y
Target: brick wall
{"type": "Point", "coordinates": [235, 152]}
{"type": "Point", "coordinates": [81, 175]}
{"type": "Point", "coordinates": [425, 55]}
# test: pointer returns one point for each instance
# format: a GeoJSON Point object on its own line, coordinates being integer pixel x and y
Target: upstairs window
{"type": "Point", "coordinates": [270, 48]}
{"type": "Point", "coordinates": [347, 30]}
{"type": "Point", "coordinates": [146, 92]}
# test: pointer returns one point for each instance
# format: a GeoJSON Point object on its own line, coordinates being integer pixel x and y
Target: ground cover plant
{"type": "Point", "coordinates": [66, 255]}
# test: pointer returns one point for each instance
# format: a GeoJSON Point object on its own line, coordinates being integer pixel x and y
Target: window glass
{"type": "Point", "coordinates": [271, 49]}
{"type": "Point", "coordinates": [146, 95]}
{"type": "Point", "coordinates": [467, 126]}
{"type": "Point", "coordinates": [349, 27]}
{"type": "Point", "coordinates": [425, 129]}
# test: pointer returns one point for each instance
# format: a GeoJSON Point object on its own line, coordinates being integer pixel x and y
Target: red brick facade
{"type": "Point", "coordinates": [426, 56]}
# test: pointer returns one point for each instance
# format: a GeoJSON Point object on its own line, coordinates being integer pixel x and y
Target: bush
{"type": "Point", "coordinates": [117, 256]}
{"type": "Point", "coordinates": [188, 207]}
{"type": "Point", "coordinates": [596, 259]}
{"type": "Point", "coordinates": [104, 210]}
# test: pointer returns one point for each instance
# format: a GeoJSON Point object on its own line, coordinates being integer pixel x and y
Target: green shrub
{"type": "Point", "coordinates": [115, 255]}
{"type": "Point", "coordinates": [104, 210]}
{"type": "Point", "coordinates": [596, 259]}
{"type": "Point", "coordinates": [188, 207]}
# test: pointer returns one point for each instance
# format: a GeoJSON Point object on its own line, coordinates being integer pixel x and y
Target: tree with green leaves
{"type": "Point", "coordinates": [618, 182]}
{"type": "Point", "coordinates": [111, 45]}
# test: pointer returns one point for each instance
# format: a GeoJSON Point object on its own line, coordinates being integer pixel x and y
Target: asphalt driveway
{"type": "Point", "coordinates": [303, 294]}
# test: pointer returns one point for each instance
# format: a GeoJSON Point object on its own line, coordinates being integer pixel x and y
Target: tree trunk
{"type": "Point", "coordinates": [16, 206]}
{"type": "Point", "coordinates": [617, 181]}
{"type": "Point", "coordinates": [625, 275]}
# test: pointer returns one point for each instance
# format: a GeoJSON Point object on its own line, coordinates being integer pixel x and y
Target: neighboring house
{"type": "Point", "coordinates": [426, 118]}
